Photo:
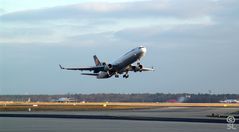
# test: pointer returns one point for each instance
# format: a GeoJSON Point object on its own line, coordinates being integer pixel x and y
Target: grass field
{"type": "Point", "coordinates": [53, 106]}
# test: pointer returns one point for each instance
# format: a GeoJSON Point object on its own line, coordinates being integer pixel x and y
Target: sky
{"type": "Point", "coordinates": [192, 44]}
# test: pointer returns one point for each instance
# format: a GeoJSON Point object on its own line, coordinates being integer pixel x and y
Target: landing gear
{"type": "Point", "coordinates": [138, 62]}
{"type": "Point", "coordinates": [116, 75]}
{"type": "Point", "coordinates": [125, 75]}
{"type": "Point", "coordinates": [139, 65]}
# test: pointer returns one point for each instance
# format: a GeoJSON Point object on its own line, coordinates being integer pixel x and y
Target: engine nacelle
{"type": "Point", "coordinates": [103, 75]}
{"type": "Point", "coordinates": [108, 67]}
{"type": "Point", "coordinates": [140, 67]}
{"type": "Point", "coordinates": [137, 68]}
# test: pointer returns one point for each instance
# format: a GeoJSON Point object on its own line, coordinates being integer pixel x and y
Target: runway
{"type": "Point", "coordinates": [157, 119]}
{"type": "Point", "coordinates": [86, 125]}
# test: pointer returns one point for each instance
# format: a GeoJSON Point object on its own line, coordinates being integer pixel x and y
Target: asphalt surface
{"type": "Point", "coordinates": [92, 125]}
{"type": "Point", "coordinates": [160, 119]}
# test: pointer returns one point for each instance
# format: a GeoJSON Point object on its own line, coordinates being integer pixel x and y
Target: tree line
{"type": "Point", "coordinates": [134, 97]}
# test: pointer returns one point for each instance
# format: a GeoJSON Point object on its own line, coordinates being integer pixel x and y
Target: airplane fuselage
{"type": "Point", "coordinates": [126, 60]}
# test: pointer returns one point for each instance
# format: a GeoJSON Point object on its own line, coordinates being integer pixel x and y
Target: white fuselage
{"type": "Point", "coordinates": [127, 59]}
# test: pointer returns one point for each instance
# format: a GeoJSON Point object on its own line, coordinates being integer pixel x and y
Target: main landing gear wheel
{"type": "Point", "coordinates": [126, 76]}
{"type": "Point", "coordinates": [116, 75]}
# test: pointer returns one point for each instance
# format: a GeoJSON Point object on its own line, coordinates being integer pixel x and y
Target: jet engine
{"type": "Point", "coordinates": [137, 68]}
{"type": "Point", "coordinates": [107, 67]}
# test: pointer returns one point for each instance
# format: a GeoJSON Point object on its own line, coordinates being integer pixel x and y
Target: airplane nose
{"type": "Point", "coordinates": [143, 50]}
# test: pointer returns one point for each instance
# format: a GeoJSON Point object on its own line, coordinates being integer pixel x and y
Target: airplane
{"type": "Point", "coordinates": [229, 101]}
{"type": "Point", "coordinates": [123, 65]}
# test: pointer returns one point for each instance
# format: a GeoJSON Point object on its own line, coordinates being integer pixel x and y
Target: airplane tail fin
{"type": "Point", "coordinates": [97, 61]}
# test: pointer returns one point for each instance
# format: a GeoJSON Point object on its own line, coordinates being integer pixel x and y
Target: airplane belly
{"type": "Point", "coordinates": [127, 62]}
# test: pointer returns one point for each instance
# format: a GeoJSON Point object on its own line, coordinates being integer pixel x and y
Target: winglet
{"type": "Point", "coordinates": [153, 68]}
{"type": "Point", "coordinates": [61, 67]}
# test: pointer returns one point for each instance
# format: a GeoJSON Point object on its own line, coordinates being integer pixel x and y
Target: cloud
{"type": "Point", "coordinates": [142, 9]}
{"type": "Point", "coordinates": [1, 11]}
{"type": "Point", "coordinates": [187, 34]}
{"type": "Point", "coordinates": [154, 20]}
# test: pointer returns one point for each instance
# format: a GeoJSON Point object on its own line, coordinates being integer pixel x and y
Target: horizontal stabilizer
{"type": "Point", "coordinates": [90, 74]}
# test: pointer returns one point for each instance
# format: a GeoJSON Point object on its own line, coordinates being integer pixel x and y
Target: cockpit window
{"type": "Point", "coordinates": [140, 47]}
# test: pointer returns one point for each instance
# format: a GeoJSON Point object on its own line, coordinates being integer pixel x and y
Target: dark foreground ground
{"type": "Point", "coordinates": [121, 120]}
{"type": "Point", "coordinates": [93, 125]}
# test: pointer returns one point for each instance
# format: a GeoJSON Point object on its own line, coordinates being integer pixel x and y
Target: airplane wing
{"type": "Point", "coordinates": [93, 68]}
{"type": "Point", "coordinates": [148, 69]}
{"type": "Point", "coordinates": [136, 69]}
